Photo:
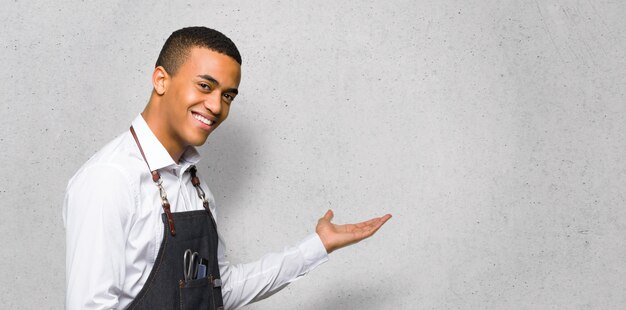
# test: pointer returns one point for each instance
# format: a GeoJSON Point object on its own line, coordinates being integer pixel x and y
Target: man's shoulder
{"type": "Point", "coordinates": [120, 158]}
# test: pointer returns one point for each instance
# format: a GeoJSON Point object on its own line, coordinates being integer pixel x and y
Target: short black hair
{"type": "Point", "coordinates": [177, 46]}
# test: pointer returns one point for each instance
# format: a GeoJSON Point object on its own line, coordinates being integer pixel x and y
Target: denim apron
{"type": "Point", "coordinates": [166, 287]}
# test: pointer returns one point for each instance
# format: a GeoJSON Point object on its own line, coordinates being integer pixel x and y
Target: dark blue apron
{"type": "Point", "coordinates": [166, 287]}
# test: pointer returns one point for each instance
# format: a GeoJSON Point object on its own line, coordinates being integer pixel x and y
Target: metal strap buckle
{"type": "Point", "coordinates": [217, 282]}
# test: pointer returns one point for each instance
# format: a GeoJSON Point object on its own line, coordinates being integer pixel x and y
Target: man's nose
{"type": "Point", "coordinates": [213, 103]}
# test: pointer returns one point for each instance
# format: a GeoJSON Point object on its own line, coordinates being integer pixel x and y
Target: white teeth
{"type": "Point", "coordinates": [203, 119]}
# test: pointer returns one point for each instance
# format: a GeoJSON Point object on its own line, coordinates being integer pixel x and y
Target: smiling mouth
{"type": "Point", "coordinates": [203, 119]}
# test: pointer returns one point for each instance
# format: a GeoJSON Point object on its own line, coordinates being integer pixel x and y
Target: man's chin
{"type": "Point", "coordinates": [199, 141]}
{"type": "Point", "coordinates": [198, 137]}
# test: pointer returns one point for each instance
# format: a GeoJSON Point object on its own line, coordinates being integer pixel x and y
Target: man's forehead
{"type": "Point", "coordinates": [206, 62]}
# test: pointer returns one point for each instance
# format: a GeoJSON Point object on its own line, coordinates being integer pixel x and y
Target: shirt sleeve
{"type": "Point", "coordinates": [96, 215]}
{"type": "Point", "coordinates": [247, 283]}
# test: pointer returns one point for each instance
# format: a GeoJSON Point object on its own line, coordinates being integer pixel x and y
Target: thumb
{"type": "Point", "coordinates": [329, 215]}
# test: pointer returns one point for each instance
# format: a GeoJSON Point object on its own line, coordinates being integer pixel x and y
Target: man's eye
{"type": "Point", "coordinates": [229, 97]}
{"type": "Point", "coordinates": [205, 86]}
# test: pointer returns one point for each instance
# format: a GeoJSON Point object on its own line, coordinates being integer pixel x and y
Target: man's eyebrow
{"type": "Point", "coordinates": [232, 90]}
{"type": "Point", "coordinates": [214, 81]}
{"type": "Point", "coordinates": [209, 78]}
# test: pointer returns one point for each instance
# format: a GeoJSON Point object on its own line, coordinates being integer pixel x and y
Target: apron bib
{"type": "Point", "coordinates": [166, 287]}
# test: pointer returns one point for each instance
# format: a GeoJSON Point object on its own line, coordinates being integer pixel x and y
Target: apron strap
{"type": "Point", "coordinates": [156, 178]}
{"type": "Point", "coordinates": [205, 203]}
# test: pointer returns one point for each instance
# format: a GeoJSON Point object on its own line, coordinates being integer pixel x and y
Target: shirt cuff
{"type": "Point", "coordinates": [313, 251]}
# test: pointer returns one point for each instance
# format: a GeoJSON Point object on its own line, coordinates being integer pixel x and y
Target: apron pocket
{"type": "Point", "coordinates": [196, 294]}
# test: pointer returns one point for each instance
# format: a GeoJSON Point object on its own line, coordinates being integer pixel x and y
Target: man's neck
{"type": "Point", "coordinates": [150, 115]}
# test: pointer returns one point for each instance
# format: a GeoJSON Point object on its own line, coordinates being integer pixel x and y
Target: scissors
{"type": "Point", "coordinates": [190, 263]}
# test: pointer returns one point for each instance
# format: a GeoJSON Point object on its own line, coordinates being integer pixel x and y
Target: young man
{"type": "Point", "coordinates": [140, 226]}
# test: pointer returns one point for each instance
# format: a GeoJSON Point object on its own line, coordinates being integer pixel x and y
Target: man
{"type": "Point", "coordinates": [140, 226]}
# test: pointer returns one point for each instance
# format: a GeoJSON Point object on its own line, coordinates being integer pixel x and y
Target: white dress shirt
{"type": "Point", "coordinates": [112, 215]}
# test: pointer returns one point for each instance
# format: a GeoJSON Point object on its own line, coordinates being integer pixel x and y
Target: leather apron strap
{"type": "Point", "coordinates": [156, 178]}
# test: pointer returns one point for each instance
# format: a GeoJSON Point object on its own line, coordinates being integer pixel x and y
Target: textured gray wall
{"type": "Point", "coordinates": [493, 131]}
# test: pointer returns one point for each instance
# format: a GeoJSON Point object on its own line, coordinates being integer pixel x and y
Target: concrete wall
{"type": "Point", "coordinates": [493, 131]}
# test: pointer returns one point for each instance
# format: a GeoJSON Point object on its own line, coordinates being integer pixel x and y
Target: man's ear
{"type": "Point", "coordinates": [160, 79]}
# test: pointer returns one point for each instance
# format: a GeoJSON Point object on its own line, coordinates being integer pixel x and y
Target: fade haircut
{"type": "Point", "coordinates": [178, 45]}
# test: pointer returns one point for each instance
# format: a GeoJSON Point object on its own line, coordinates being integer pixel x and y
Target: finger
{"type": "Point", "coordinates": [368, 222]}
{"type": "Point", "coordinates": [374, 227]}
{"type": "Point", "coordinates": [373, 221]}
{"type": "Point", "coordinates": [380, 223]}
{"type": "Point", "coordinates": [329, 215]}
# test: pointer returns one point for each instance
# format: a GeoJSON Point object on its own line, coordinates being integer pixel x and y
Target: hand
{"type": "Point", "coordinates": [338, 236]}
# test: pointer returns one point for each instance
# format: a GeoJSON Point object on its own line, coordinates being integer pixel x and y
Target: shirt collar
{"type": "Point", "coordinates": [156, 154]}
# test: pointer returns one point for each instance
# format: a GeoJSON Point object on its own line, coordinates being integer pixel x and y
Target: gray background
{"type": "Point", "coordinates": [493, 131]}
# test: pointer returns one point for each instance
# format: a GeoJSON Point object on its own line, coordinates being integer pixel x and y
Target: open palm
{"type": "Point", "coordinates": [335, 236]}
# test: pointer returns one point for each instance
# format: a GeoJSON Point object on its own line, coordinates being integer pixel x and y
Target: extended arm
{"type": "Point", "coordinates": [246, 283]}
{"type": "Point", "coordinates": [250, 282]}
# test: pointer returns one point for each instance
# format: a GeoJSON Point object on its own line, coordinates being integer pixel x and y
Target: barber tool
{"type": "Point", "coordinates": [202, 268]}
{"type": "Point", "coordinates": [190, 265]}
